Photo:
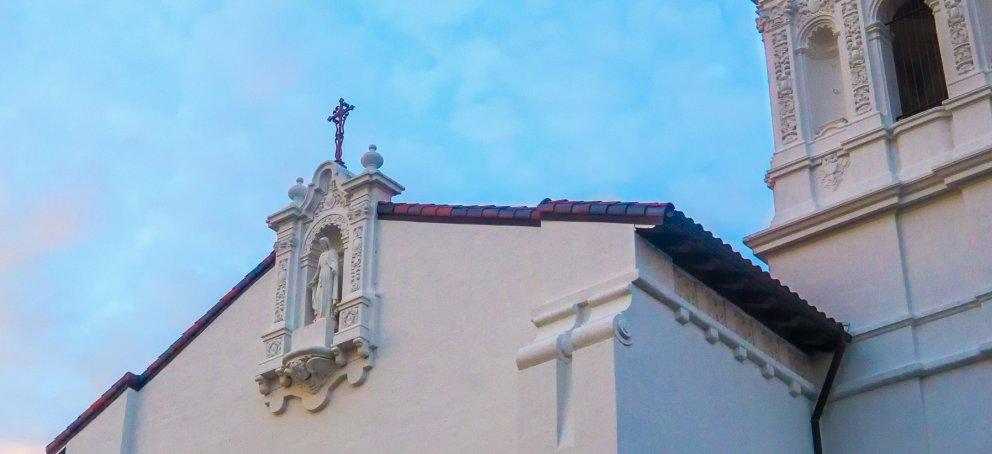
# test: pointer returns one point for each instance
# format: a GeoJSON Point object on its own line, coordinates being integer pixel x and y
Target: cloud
{"type": "Point", "coordinates": [47, 226]}
{"type": "Point", "coordinates": [19, 447]}
{"type": "Point", "coordinates": [144, 144]}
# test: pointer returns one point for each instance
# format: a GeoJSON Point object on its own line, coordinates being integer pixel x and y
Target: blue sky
{"type": "Point", "coordinates": [144, 144]}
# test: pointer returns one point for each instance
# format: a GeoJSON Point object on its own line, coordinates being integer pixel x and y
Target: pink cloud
{"type": "Point", "coordinates": [48, 226]}
{"type": "Point", "coordinates": [20, 447]}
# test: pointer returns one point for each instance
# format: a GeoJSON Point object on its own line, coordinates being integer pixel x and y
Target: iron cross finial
{"type": "Point", "coordinates": [338, 117]}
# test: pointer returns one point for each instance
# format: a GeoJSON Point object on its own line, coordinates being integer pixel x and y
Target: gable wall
{"type": "Point", "coordinates": [109, 432]}
{"type": "Point", "coordinates": [455, 306]}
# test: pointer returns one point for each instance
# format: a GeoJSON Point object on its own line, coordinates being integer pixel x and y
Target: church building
{"type": "Point", "coordinates": [380, 325]}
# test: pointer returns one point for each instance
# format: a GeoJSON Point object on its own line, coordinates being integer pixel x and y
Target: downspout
{"type": "Point", "coordinates": [821, 400]}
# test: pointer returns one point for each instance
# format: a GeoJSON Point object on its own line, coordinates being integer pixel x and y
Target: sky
{"type": "Point", "coordinates": [143, 145]}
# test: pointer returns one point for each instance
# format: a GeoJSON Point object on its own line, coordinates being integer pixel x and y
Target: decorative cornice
{"type": "Point", "coordinates": [715, 332]}
{"type": "Point", "coordinates": [557, 339]}
{"type": "Point", "coordinates": [941, 179]}
{"type": "Point", "coordinates": [923, 318]}
{"type": "Point", "coordinates": [916, 369]}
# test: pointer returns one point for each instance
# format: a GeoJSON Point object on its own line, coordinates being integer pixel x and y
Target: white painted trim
{"type": "Point", "coordinates": [561, 330]}
{"type": "Point", "coordinates": [715, 332]}
{"type": "Point", "coordinates": [943, 178]}
{"type": "Point", "coordinates": [918, 369]}
{"type": "Point", "coordinates": [593, 295]}
{"type": "Point", "coordinates": [930, 315]}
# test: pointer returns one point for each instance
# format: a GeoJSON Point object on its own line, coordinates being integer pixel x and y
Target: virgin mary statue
{"type": "Point", "coordinates": [324, 285]}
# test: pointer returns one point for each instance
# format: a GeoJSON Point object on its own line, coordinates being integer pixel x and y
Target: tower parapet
{"type": "Point", "coordinates": [867, 94]}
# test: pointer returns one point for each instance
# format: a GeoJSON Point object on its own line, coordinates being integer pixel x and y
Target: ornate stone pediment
{"type": "Point", "coordinates": [322, 331]}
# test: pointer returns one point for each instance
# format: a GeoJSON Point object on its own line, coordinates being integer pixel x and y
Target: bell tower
{"type": "Point", "coordinates": [882, 182]}
{"type": "Point", "coordinates": [853, 82]}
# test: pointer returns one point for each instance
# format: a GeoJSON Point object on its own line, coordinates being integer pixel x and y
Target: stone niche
{"type": "Point", "coordinates": [322, 332]}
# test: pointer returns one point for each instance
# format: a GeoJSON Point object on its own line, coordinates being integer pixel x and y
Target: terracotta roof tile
{"type": "Point", "coordinates": [680, 237]}
{"type": "Point", "coordinates": [632, 212]}
{"type": "Point", "coordinates": [691, 247]}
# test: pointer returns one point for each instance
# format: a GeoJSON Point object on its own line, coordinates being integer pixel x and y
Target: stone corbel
{"type": "Point", "coordinates": [310, 375]}
{"type": "Point", "coordinates": [578, 321]}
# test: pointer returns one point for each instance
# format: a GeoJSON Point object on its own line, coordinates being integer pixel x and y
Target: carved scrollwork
{"type": "Point", "coordinates": [806, 10]}
{"type": "Point", "coordinates": [773, 17]}
{"type": "Point", "coordinates": [334, 197]}
{"type": "Point", "coordinates": [964, 61]}
{"type": "Point", "coordinates": [854, 42]}
{"type": "Point", "coordinates": [358, 210]}
{"type": "Point", "coordinates": [349, 317]}
{"type": "Point", "coordinates": [364, 347]}
{"type": "Point", "coordinates": [283, 245]}
{"type": "Point", "coordinates": [281, 288]}
{"type": "Point", "coordinates": [831, 170]}
{"type": "Point", "coordinates": [336, 220]}
{"type": "Point", "coordinates": [273, 347]}
{"type": "Point", "coordinates": [785, 92]}
{"type": "Point", "coordinates": [356, 259]}
{"type": "Point", "coordinates": [309, 371]}
{"type": "Point", "coordinates": [263, 385]}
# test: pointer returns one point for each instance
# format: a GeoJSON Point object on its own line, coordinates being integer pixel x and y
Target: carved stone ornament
{"type": "Point", "coordinates": [349, 317]}
{"type": "Point", "coordinates": [964, 61]}
{"type": "Point", "coordinates": [773, 17]}
{"type": "Point", "coordinates": [335, 197]}
{"type": "Point", "coordinates": [310, 375]}
{"type": "Point", "coordinates": [281, 287]}
{"type": "Point", "coordinates": [283, 245]}
{"type": "Point", "coordinates": [806, 10]}
{"type": "Point", "coordinates": [358, 211]}
{"type": "Point", "coordinates": [273, 347]}
{"type": "Point", "coordinates": [855, 45]}
{"type": "Point", "coordinates": [323, 332]}
{"type": "Point", "coordinates": [831, 170]}
{"type": "Point", "coordinates": [356, 259]}
{"type": "Point", "coordinates": [785, 93]}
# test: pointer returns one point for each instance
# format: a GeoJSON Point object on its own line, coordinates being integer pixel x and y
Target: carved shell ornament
{"type": "Point", "coordinates": [831, 170]}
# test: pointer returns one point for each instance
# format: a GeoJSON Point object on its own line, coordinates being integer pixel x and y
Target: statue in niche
{"type": "Point", "coordinates": [324, 285]}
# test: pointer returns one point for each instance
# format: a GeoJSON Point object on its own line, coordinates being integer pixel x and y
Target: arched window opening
{"type": "Point", "coordinates": [916, 57]}
{"type": "Point", "coordinates": [824, 81]}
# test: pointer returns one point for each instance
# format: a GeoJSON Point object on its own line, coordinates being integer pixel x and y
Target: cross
{"type": "Point", "coordinates": [338, 117]}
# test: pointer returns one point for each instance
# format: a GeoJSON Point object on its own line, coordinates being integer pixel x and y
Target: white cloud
{"type": "Point", "coordinates": [164, 134]}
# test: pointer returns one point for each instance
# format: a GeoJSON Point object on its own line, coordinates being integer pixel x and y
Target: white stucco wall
{"type": "Point", "coordinates": [914, 284]}
{"type": "Point", "coordinates": [681, 394]}
{"type": "Point", "coordinates": [943, 413]}
{"type": "Point", "coordinates": [110, 431]}
{"type": "Point", "coordinates": [823, 271]}
{"type": "Point", "coordinates": [455, 306]}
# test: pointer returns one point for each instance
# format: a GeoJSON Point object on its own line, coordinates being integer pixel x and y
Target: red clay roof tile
{"type": "Point", "coordinates": [703, 242]}
{"type": "Point", "coordinates": [632, 212]}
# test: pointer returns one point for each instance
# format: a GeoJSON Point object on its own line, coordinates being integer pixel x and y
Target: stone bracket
{"type": "Point", "coordinates": [311, 378]}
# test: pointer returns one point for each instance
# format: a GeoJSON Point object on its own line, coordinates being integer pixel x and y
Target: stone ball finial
{"type": "Point", "coordinates": [298, 192]}
{"type": "Point", "coordinates": [372, 160]}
